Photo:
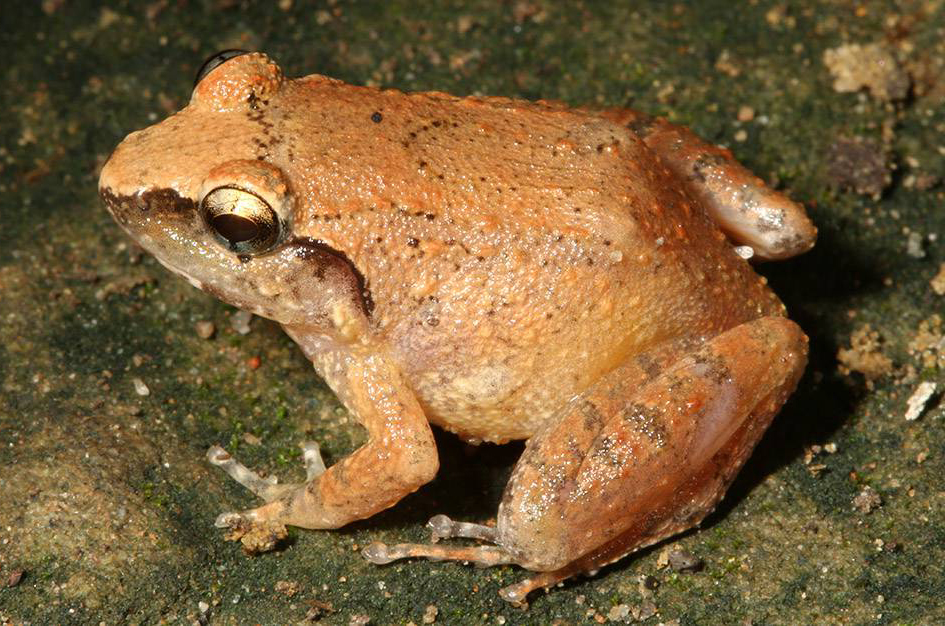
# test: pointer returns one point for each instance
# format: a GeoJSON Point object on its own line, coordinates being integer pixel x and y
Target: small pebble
{"type": "Point", "coordinates": [621, 612]}
{"type": "Point", "coordinates": [938, 281]}
{"type": "Point", "coordinates": [140, 388]}
{"type": "Point", "coordinates": [15, 577]}
{"type": "Point", "coordinates": [647, 610]}
{"type": "Point", "coordinates": [205, 329]}
{"type": "Point", "coordinates": [919, 399]}
{"type": "Point", "coordinates": [685, 561]}
{"type": "Point", "coordinates": [915, 246]}
{"type": "Point", "coordinates": [240, 320]}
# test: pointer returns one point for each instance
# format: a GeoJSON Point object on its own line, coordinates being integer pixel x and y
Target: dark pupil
{"type": "Point", "coordinates": [235, 228]}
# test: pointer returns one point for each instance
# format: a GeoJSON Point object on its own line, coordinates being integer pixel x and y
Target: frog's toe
{"type": "Point", "coordinates": [312, 457]}
{"type": "Point", "coordinates": [518, 592]}
{"type": "Point", "coordinates": [442, 527]}
{"type": "Point", "coordinates": [484, 556]}
{"type": "Point", "coordinates": [230, 520]}
{"type": "Point", "coordinates": [266, 488]}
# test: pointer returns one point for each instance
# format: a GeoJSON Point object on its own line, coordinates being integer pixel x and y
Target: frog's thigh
{"type": "Point", "coordinates": [624, 467]}
{"type": "Point", "coordinates": [398, 458]}
{"type": "Point", "coordinates": [749, 211]}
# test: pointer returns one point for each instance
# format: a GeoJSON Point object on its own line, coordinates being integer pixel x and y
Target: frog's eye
{"type": "Point", "coordinates": [241, 220]}
{"type": "Point", "coordinates": [216, 61]}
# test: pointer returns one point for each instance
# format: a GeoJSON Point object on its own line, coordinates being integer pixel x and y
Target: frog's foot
{"type": "Point", "coordinates": [768, 224]}
{"type": "Point", "coordinates": [442, 527]}
{"type": "Point", "coordinates": [267, 488]}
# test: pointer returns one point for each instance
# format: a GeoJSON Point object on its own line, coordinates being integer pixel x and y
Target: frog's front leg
{"type": "Point", "coordinates": [398, 458]}
{"type": "Point", "coordinates": [645, 453]}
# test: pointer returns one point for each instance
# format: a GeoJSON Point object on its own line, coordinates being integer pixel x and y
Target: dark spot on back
{"type": "Point", "coordinates": [642, 126]}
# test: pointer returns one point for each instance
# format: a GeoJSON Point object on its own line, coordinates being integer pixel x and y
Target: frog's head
{"type": "Point", "coordinates": [199, 192]}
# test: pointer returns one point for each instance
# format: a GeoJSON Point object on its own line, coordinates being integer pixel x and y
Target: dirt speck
{"type": "Point", "coordinates": [865, 355]}
{"type": "Point", "coordinates": [288, 588]}
{"type": "Point", "coordinates": [257, 537]}
{"type": "Point", "coordinates": [240, 320]}
{"type": "Point", "coordinates": [871, 67]}
{"type": "Point", "coordinates": [928, 344]}
{"type": "Point", "coordinates": [619, 613]}
{"type": "Point", "coordinates": [938, 281]}
{"type": "Point", "coordinates": [860, 165]}
{"type": "Point", "coordinates": [867, 500]}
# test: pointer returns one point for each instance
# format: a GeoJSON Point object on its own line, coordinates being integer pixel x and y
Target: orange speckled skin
{"type": "Point", "coordinates": [477, 263]}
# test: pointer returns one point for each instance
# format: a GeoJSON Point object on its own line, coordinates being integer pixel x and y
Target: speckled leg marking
{"type": "Point", "coordinates": [645, 453]}
{"type": "Point", "coordinates": [400, 455]}
{"type": "Point", "coordinates": [751, 213]}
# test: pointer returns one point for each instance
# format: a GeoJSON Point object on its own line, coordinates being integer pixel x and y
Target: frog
{"type": "Point", "coordinates": [577, 278]}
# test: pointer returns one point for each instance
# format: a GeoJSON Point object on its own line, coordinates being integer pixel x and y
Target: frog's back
{"type": "Point", "coordinates": [552, 240]}
{"type": "Point", "coordinates": [439, 178]}
{"type": "Point", "coordinates": [538, 165]}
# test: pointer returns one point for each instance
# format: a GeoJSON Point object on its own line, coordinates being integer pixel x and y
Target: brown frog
{"type": "Point", "coordinates": [501, 269]}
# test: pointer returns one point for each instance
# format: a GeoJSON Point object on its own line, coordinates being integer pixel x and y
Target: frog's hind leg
{"type": "Point", "coordinates": [645, 453]}
{"type": "Point", "coordinates": [750, 212]}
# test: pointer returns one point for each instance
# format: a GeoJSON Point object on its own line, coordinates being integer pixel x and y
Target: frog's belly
{"type": "Point", "coordinates": [507, 383]}
{"type": "Point", "coordinates": [487, 403]}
